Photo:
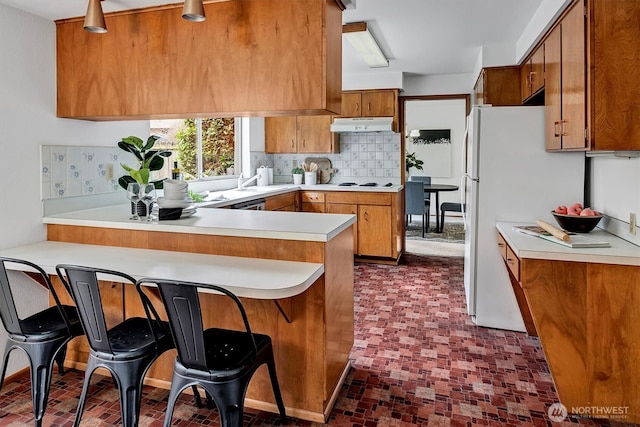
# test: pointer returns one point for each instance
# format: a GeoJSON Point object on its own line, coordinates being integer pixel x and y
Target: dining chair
{"type": "Point", "coordinates": [448, 207]}
{"type": "Point", "coordinates": [222, 361]}
{"type": "Point", "coordinates": [424, 180]}
{"type": "Point", "coordinates": [127, 349]}
{"type": "Point", "coordinates": [43, 336]}
{"type": "Point", "coordinates": [415, 204]}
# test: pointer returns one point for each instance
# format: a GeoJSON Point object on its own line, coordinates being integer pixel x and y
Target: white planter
{"type": "Point", "coordinates": [297, 178]}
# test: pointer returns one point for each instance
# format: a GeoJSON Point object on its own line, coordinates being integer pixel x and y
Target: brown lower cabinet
{"type": "Point", "coordinates": [378, 230]}
{"type": "Point", "coordinates": [282, 202]}
{"type": "Point", "coordinates": [586, 316]}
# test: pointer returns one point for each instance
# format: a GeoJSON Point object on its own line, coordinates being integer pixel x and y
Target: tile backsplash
{"type": "Point", "coordinates": [69, 171]}
{"type": "Point", "coordinates": [363, 157]}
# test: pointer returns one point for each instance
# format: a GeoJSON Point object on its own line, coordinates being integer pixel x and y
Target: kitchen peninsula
{"type": "Point", "coordinates": [584, 307]}
{"type": "Point", "coordinates": [312, 331]}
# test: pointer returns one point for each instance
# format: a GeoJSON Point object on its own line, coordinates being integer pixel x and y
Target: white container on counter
{"type": "Point", "coordinates": [263, 176]}
{"type": "Point", "coordinates": [310, 178]}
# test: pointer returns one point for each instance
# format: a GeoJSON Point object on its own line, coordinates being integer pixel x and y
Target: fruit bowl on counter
{"type": "Point", "coordinates": [575, 219]}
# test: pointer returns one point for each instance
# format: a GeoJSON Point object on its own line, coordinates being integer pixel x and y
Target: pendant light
{"type": "Point", "coordinates": [94, 19]}
{"type": "Point", "coordinates": [193, 10]}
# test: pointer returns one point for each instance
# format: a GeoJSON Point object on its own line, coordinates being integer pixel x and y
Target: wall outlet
{"type": "Point", "coordinates": [294, 163]}
{"type": "Point", "coordinates": [108, 171]}
{"type": "Point", "coordinates": [632, 223]}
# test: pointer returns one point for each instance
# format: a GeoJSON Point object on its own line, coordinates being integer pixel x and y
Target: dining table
{"type": "Point", "coordinates": [437, 189]}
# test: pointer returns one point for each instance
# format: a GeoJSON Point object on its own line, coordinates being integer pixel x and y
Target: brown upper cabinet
{"type": "Point", "coordinates": [371, 103]}
{"type": "Point", "coordinates": [565, 90]}
{"type": "Point", "coordinates": [498, 86]}
{"type": "Point", "coordinates": [301, 134]}
{"type": "Point", "coordinates": [532, 74]}
{"type": "Point", "coordinates": [591, 78]}
{"type": "Point", "coordinates": [249, 58]}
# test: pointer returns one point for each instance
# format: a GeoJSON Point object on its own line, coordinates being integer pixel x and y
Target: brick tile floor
{"type": "Point", "coordinates": [417, 360]}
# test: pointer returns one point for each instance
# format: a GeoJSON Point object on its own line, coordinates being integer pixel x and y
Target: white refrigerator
{"type": "Point", "coordinates": [507, 176]}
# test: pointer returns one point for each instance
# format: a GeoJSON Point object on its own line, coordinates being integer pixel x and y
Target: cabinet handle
{"type": "Point", "coordinates": [366, 216]}
{"type": "Point", "coordinates": [368, 106]}
{"type": "Point", "coordinates": [304, 142]}
{"type": "Point", "coordinates": [293, 143]}
{"type": "Point", "coordinates": [509, 261]}
{"type": "Point", "coordinates": [357, 106]}
{"type": "Point", "coordinates": [564, 132]}
{"type": "Point", "coordinates": [555, 129]}
{"type": "Point", "coordinates": [501, 245]}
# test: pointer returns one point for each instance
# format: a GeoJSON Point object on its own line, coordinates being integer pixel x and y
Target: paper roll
{"type": "Point", "coordinates": [554, 231]}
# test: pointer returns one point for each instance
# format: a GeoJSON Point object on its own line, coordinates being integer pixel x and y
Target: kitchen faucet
{"type": "Point", "coordinates": [243, 185]}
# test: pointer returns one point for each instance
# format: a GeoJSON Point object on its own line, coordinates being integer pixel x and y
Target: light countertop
{"type": "Point", "coordinates": [621, 251]}
{"type": "Point", "coordinates": [245, 277]}
{"type": "Point", "coordinates": [304, 226]}
{"type": "Point", "coordinates": [224, 198]}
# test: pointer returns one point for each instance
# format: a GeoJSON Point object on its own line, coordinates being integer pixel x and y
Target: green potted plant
{"type": "Point", "coordinates": [148, 160]}
{"type": "Point", "coordinates": [412, 161]}
{"type": "Point", "coordinates": [298, 173]}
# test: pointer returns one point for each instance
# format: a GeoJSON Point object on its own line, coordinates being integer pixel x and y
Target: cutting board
{"type": "Point", "coordinates": [325, 170]}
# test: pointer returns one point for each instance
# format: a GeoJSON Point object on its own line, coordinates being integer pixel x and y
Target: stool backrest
{"type": "Point", "coordinates": [182, 304]}
{"type": "Point", "coordinates": [8, 312]}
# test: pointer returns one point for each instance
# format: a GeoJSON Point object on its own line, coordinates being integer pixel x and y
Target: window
{"type": "Point", "coordinates": [203, 148]}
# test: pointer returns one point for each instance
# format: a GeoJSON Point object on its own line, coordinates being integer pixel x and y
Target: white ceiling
{"type": "Point", "coordinates": [418, 36]}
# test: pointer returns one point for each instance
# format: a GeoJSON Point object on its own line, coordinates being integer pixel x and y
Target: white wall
{"type": "Point", "coordinates": [616, 192]}
{"type": "Point", "coordinates": [439, 114]}
{"type": "Point", "coordinates": [27, 119]}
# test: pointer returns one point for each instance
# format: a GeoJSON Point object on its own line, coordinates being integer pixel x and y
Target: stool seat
{"type": "Point", "coordinates": [448, 207]}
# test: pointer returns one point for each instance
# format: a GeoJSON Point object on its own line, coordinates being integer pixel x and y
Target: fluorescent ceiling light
{"type": "Point", "coordinates": [358, 34]}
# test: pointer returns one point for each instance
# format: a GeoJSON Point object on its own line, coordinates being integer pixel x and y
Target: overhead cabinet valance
{"type": "Point", "coordinates": [249, 58]}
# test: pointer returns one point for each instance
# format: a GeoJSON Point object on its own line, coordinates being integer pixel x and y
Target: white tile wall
{"type": "Point", "coordinates": [70, 171]}
{"type": "Point", "coordinates": [363, 157]}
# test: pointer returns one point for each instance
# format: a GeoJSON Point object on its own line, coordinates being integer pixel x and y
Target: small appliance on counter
{"type": "Point", "coordinates": [263, 176]}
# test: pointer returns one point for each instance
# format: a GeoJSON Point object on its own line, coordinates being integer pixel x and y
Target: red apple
{"type": "Point", "coordinates": [574, 210]}
{"type": "Point", "coordinates": [561, 209]}
{"type": "Point", "coordinates": [576, 206]}
{"type": "Point", "coordinates": [587, 212]}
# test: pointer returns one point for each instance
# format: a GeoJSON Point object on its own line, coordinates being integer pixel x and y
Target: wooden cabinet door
{"type": "Point", "coordinates": [525, 80]}
{"type": "Point", "coordinates": [280, 134]}
{"type": "Point", "coordinates": [379, 103]}
{"type": "Point", "coordinates": [537, 70]}
{"type": "Point", "coordinates": [313, 207]}
{"type": "Point", "coordinates": [374, 231]}
{"type": "Point", "coordinates": [479, 88]}
{"type": "Point", "coordinates": [502, 86]}
{"type": "Point", "coordinates": [351, 104]}
{"type": "Point", "coordinates": [552, 91]}
{"type": "Point", "coordinates": [352, 209]}
{"type": "Point", "coordinates": [281, 202]}
{"type": "Point", "coordinates": [314, 134]}
{"type": "Point", "coordinates": [573, 68]}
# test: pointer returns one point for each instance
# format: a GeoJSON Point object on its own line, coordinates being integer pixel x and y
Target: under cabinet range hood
{"type": "Point", "coordinates": [363, 124]}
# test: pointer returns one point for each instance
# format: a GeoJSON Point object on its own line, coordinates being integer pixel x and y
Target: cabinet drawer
{"type": "Point", "coordinates": [312, 197]}
{"type": "Point", "coordinates": [381, 199]}
{"type": "Point", "coordinates": [280, 201]}
{"type": "Point", "coordinates": [513, 262]}
{"type": "Point", "coordinates": [502, 246]}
